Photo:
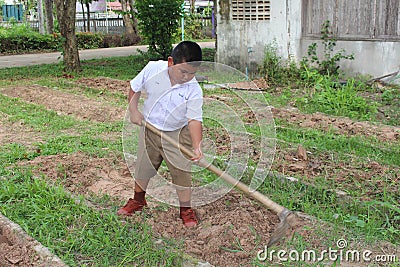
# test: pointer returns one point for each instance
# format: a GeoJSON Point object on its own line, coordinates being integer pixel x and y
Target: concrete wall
{"type": "Point", "coordinates": [241, 44]}
{"type": "Point", "coordinates": [371, 58]}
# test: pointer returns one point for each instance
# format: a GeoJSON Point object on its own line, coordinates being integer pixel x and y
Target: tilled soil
{"type": "Point", "coordinates": [19, 249]}
{"type": "Point", "coordinates": [231, 230]}
{"type": "Point", "coordinates": [78, 106]}
{"type": "Point", "coordinates": [15, 252]}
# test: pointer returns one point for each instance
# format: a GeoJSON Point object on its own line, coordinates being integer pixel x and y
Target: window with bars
{"type": "Point", "coordinates": [251, 10]}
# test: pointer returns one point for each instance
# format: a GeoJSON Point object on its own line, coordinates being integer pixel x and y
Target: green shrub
{"type": "Point", "coordinates": [158, 21]}
{"type": "Point", "coordinates": [21, 38]}
{"type": "Point", "coordinates": [391, 95]}
{"type": "Point", "coordinates": [88, 40]}
{"type": "Point", "coordinates": [193, 27]}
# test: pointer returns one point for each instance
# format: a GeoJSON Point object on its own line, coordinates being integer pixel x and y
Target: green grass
{"type": "Point", "coordinates": [364, 147]}
{"type": "Point", "coordinates": [85, 236]}
{"type": "Point", "coordinates": [123, 68]}
{"type": "Point", "coordinates": [38, 117]}
{"type": "Point", "coordinates": [80, 235]}
{"type": "Point", "coordinates": [373, 219]}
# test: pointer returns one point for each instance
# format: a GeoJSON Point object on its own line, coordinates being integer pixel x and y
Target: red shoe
{"type": "Point", "coordinates": [131, 207]}
{"type": "Point", "coordinates": [189, 218]}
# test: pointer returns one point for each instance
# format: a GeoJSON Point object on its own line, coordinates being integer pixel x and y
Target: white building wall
{"type": "Point", "coordinates": [11, 2]}
{"type": "Point", "coordinates": [241, 44]}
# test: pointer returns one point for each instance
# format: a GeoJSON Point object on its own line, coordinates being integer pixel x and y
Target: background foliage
{"type": "Point", "coordinates": [19, 39]}
{"type": "Point", "coordinates": [158, 21]}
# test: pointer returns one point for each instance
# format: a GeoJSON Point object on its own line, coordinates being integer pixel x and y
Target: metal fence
{"type": "Point", "coordinates": [97, 25]}
{"type": "Point", "coordinates": [101, 25]}
{"type": "Point", "coordinates": [114, 25]}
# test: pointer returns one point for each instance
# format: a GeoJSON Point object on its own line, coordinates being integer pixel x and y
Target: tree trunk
{"type": "Point", "coordinates": [66, 11]}
{"type": "Point", "coordinates": [88, 16]}
{"type": "Point", "coordinates": [83, 16]}
{"type": "Point", "coordinates": [130, 34]}
{"type": "Point", "coordinates": [191, 6]}
{"type": "Point", "coordinates": [48, 8]}
{"type": "Point", "coordinates": [41, 16]}
{"type": "Point", "coordinates": [134, 20]}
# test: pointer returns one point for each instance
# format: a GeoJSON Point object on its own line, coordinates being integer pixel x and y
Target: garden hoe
{"type": "Point", "coordinates": [287, 217]}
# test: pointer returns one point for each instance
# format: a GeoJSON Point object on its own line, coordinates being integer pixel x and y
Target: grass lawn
{"type": "Point", "coordinates": [82, 228]}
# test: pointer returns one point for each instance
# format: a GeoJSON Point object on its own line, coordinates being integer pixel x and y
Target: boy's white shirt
{"type": "Point", "coordinates": [167, 108]}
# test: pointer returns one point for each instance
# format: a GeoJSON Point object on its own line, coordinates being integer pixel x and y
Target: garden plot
{"type": "Point", "coordinates": [19, 249]}
{"type": "Point", "coordinates": [233, 229]}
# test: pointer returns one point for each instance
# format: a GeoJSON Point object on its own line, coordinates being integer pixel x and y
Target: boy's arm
{"type": "Point", "coordinates": [135, 115]}
{"type": "Point", "coordinates": [196, 133]}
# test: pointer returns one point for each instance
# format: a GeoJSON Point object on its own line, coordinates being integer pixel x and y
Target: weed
{"type": "Point", "coordinates": [339, 100]}
{"type": "Point", "coordinates": [274, 69]}
{"type": "Point", "coordinates": [328, 65]}
{"type": "Point", "coordinates": [391, 95]}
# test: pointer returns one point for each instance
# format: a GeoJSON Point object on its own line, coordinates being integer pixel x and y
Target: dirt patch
{"type": "Point", "coordinates": [231, 230]}
{"type": "Point", "coordinates": [80, 173]}
{"type": "Point", "coordinates": [19, 249]}
{"type": "Point", "coordinates": [104, 83]}
{"type": "Point", "coordinates": [340, 125]}
{"type": "Point", "coordinates": [15, 252]}
{"type": "Point", "coordinates": [16, 132]}
{"type": "Point", "coordinates": [346, 175]}
{"type": "Point", "coordinates": [78, 106]}
{"type": "Point", "coordinates": [230, 233]}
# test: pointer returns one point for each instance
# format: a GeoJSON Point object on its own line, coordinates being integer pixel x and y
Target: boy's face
{"type": "Point", "coordinates": [180, 73]}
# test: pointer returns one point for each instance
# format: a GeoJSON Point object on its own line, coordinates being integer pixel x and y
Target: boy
{"type": "Point", "coordinates": [173, 104]}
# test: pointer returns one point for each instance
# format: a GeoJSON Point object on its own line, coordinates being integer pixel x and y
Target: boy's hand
{"type": "Point", "coordinates": [196, 133]}
{"type": "Point", "coordinates": [136, 117]}
{"type": "Point", "coordinates": [198, 154]}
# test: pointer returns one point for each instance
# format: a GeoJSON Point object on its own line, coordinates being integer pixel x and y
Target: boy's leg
{"type": "Point", "coordinates": [184, 196]}
{"type": "Point", "coordinates": [139, 192]}
{"type": "Point", "coordinates": [180, 169]}
{"type": "Point", "coordinates": [148, 161]}
{"type": "Point", "coordinates": [186, 213]}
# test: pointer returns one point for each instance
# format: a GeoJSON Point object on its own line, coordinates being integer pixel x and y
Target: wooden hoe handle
{"type": "Point", "coordinates": [275, 207]}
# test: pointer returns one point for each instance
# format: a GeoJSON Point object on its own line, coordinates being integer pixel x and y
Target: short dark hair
{"type": "Point", "coordinates": [186, 51]}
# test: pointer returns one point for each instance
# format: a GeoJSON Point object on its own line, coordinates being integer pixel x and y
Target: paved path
{"type": "Point", "coordinates": [48, 58]}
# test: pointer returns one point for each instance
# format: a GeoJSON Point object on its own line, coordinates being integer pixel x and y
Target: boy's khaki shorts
{"type": "Point", "coordinates": [152, 151]}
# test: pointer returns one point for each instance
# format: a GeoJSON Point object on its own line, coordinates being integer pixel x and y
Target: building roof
{"type": "Point", "coordinates": [99, 6]}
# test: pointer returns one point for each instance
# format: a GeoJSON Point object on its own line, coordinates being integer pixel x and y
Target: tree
{"type": "Point", "coordinates": [86, 19]}
{"type": "Point", "coordinates": [158, 20]}
{"type": "Point", "coordinates": [66, 12]}
{"type": "Point", "coordinates": [87, 3]}
{"type": "Point", "coordinates": [130, 29]}
{"type": "Point", "coordinates": [191, 10]}
{"type": "Point", "coordinates": [48, 10]}
{"type": "Point", "coordinates": [134, 20]}
{"type": "Point", "coordinates": [40, 16]}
